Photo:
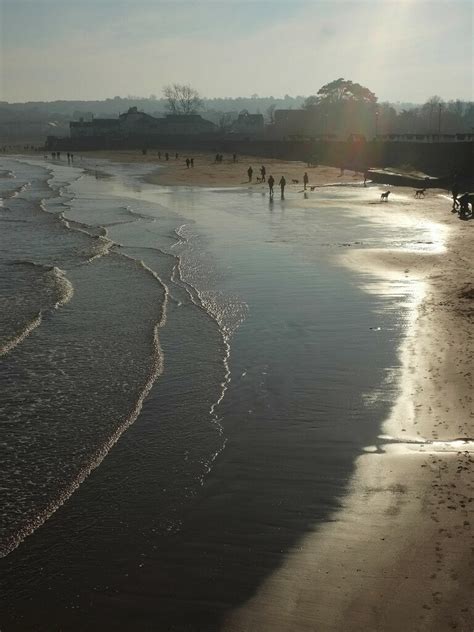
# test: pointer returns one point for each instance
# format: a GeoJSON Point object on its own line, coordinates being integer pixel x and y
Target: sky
{"type": "Point", "coordinates": [407, 50]}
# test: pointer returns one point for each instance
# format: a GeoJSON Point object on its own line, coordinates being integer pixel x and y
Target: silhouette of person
{"type": "Point", "coordinates": [250, 172]}
{"type": "Point", "coordinates": [187, 162]}
{"type": "Point", "coordinates": [263, 171]}
{"type": "Point", "coordinates": [234, 157]}
{"type": "Point", "coordinates": [176, 156]}
{"type": "Point", "coordinates": [192, 162]}
{"type": "Point", "coordinates": [464, 205]}
{"type": "Point", "coordinates": [455, 193]}
{"type": "Point", "coordinates": [305, 180]}
{"type": "Point", "coordinates": [271, 182]}
{"type": "Point", "coordinates": [167, 156]}
{"type": "Point", "coordinates": [282, 184]}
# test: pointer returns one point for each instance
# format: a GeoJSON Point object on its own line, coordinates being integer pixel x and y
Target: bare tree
{"type": "Point", "coordinates": [182, 99]}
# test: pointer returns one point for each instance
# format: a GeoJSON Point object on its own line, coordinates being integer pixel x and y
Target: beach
{"type": "Point", "coordinates": [332, 514]}
{"type": "Point", "coordinates": [397, 556]}
{"type": "Point", "coordinates": [207, 173]}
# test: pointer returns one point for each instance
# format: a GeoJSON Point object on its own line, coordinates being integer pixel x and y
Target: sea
{"type": "Point", "coordinates": [187, 377]}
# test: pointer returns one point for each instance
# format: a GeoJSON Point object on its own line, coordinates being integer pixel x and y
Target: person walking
{"type": "Point", "coordinates": [187, 162]}
{"type": "Point", "coordinates": [263, 171]}
{"type": "Point", "coordinates": [305, 180]}
{"type": "Point", "coordinates": [192, 162]}
{"type": "Point", "coordinates": [455, 193]}
{"type": "Point", "coordinates": [282, 184]}
{"type": "Point", "coordinates": [271, 182]}
{"type": "Point", "coordinates": [250, 173]}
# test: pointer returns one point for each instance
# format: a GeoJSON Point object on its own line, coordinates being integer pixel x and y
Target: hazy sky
{"type": "Point", "coordinates": [406, 50]}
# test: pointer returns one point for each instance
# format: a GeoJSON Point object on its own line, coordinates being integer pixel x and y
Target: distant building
{"type": "Point", "coordinates": [135, 123]}
{"type": "Point", "coordinates": [249, 125]}
{"type": "Point", "coordinates": [288, 123]}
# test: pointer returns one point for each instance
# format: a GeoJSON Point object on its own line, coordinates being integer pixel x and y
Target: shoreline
{"type": "Point", "coordinates": [395, 555]}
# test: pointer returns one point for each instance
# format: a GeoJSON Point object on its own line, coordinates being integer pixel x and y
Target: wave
{"type": "Point", "coordinates": [12, 541]}
{"type": "Point", "coordinates": [18, 338]}
{"type": "Point", "coordinates": [101, 247]}
{"type": "Point", "coordinates": [130, 210]}
{"type": "Point", "coordinates": [7, 173]}
{"type": "Point", "coordinates": [48, 291]}
{"type": "Point", "coordinates": [18, 191]}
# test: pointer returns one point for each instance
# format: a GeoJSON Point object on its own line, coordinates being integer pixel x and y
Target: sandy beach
{"type": "Point", "coordinates": [397, 553]}
{"type": "Point", "coordinates": [397, 556]}
{"type": "Point", "coordinates": [207, 173]}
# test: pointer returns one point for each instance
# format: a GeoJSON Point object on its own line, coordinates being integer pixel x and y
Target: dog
{"type": "Point", "coordinates": [384, 196]}
{"type": "Point", "coordinates": [295, 181]}
{"type": "Point", "coordinates": [420, 193]}
{"type": "Point", "coordinates": [312, 188]}
{"type": "Point", "coordinates": [259, 179]}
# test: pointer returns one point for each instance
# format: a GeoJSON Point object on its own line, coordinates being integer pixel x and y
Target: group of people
{"type": "Point", "coordinates": [189, 162]}
{"type": "Point", "coordinates": [56, 155]}
{"type": "Point", "coordinates": [167, 156]}
{"type": "Point", "coordinates": [271, 180]}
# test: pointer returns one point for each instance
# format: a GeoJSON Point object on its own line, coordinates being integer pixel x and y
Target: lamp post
{"type": "Point", "coordinates": [376, 123]}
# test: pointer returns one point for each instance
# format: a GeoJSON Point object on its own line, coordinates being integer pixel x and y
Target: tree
{"type": "Point", "coordinates": [340, 91]}
{"type": "Point", "coordinates": [271, 113]}
{"type": "Point", "coordinates": [345, 90]}
{"type": "Point", "coordinates": [225, 121]}
{"type": "Point", "coordinates": [182, 99]}
{"type": "Point", "coordinates": [311, 103]}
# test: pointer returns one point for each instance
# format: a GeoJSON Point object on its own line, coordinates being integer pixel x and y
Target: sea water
{"type": "Point", "coordinates": [187, 376]}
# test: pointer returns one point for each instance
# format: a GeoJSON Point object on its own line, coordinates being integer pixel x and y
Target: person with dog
{"type": "Point", "coordinates": [250, 173]}
{"type": "Point", "coordinates": [463, 202]}
{"type": "Point", "coordinates": [305, 180]}
{"type": "Point", "coordinates": [455, 193]}
{"type": "Point", "coordinates": [282, 184]}
{"type": "Point", "coordinates": [271, 182]}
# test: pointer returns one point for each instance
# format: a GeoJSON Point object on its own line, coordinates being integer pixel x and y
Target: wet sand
{"type": "Point", "coordinates": [397, 556]}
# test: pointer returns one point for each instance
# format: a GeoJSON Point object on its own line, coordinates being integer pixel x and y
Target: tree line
{"type": "Point", "coordinates": [340, 107]}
